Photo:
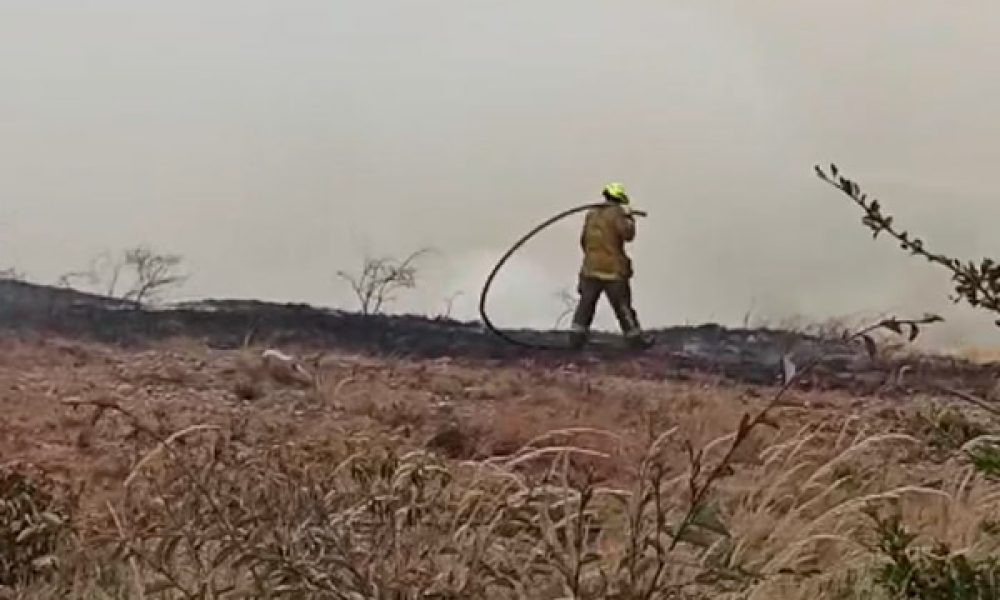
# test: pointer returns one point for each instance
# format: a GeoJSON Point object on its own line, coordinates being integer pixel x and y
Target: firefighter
{"type": "Point", "coordinates": [607, 269]}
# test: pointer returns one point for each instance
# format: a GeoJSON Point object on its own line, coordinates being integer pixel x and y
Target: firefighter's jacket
{"type": "Point", "coordinates": [605, 231]}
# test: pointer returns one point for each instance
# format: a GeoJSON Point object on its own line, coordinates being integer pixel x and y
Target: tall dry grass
{"type": "Point", "coordinates": [666, 509]}
{"type": "Point", "coordinates": [368, 517]}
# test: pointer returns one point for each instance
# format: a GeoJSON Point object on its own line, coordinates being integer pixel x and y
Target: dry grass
{"type": "Point", "coordinates": [364, 517]}
{"type": "Point", "coordinates": [438, 480]}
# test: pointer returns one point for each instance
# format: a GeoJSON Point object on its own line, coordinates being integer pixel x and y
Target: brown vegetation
{"type": "Point", "coordinates": [378, 478]}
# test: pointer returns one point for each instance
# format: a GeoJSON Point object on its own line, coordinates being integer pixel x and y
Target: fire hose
{"type": "Point", "coordinates": [503, 260]}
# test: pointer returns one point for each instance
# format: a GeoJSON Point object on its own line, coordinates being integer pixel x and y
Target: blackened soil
{"type": "Point", "coordinates": [744, 356]}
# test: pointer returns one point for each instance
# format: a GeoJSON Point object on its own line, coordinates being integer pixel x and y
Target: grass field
{"type": "Point", "coordinates": [177, 471]}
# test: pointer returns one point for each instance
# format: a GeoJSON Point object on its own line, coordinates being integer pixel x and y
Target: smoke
{"type": "Point", "coordinates": [274, 143]}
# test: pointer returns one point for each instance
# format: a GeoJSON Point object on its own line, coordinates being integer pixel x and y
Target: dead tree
{"type": "Point", "coordinates": [153, 273]}
{"type": "Point", "coordinates": [114, 271]}
{"type": "Point", "coordinates": [89, 276]}
{"type": "Point", "coordinates": [101, 275]}
{"type": "Point", "coordinates": [380, 279]}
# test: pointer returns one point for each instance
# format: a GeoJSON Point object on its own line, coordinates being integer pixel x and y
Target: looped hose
{"type": "Point", "coordinates": [503, 260]}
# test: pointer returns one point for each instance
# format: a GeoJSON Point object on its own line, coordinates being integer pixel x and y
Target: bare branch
{"type": "Point", "coordinates": [381, 278]}
{"type": "Point", "coordinates": [151, 273]}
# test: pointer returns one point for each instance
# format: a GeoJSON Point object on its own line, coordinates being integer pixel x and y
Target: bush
{"type": "Point", "coordinates": [946, 428]}
{"type": "Point", "coordinates": [986, 459]}
{"type": "Point", "coordinates": [932, 573]}
{"type": "Point", "coordinates": [34, 522]}
{"type": "Point", "coordinates": [380, 279]}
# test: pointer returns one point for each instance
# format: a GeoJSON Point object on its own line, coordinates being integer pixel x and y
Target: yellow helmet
{"type": "Point", "coordinates": [615, 192]}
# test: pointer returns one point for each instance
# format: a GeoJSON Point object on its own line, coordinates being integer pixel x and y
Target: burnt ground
{"type": "Point", "coordinates": [738, 355]}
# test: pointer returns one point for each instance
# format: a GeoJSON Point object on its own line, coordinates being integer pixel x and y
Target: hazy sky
{"type": "Point", "coordinates": [274, 142]}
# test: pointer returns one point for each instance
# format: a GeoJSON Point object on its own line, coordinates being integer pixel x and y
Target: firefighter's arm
{"type": "Point", "coordinates": [626, 225]}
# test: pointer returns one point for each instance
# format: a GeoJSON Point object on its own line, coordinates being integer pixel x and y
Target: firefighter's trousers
{"type": "Point", "coordinates": [619, 293]}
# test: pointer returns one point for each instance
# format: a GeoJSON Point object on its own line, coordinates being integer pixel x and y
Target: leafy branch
{"type": "Point", "coordinates": [978, 284]}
